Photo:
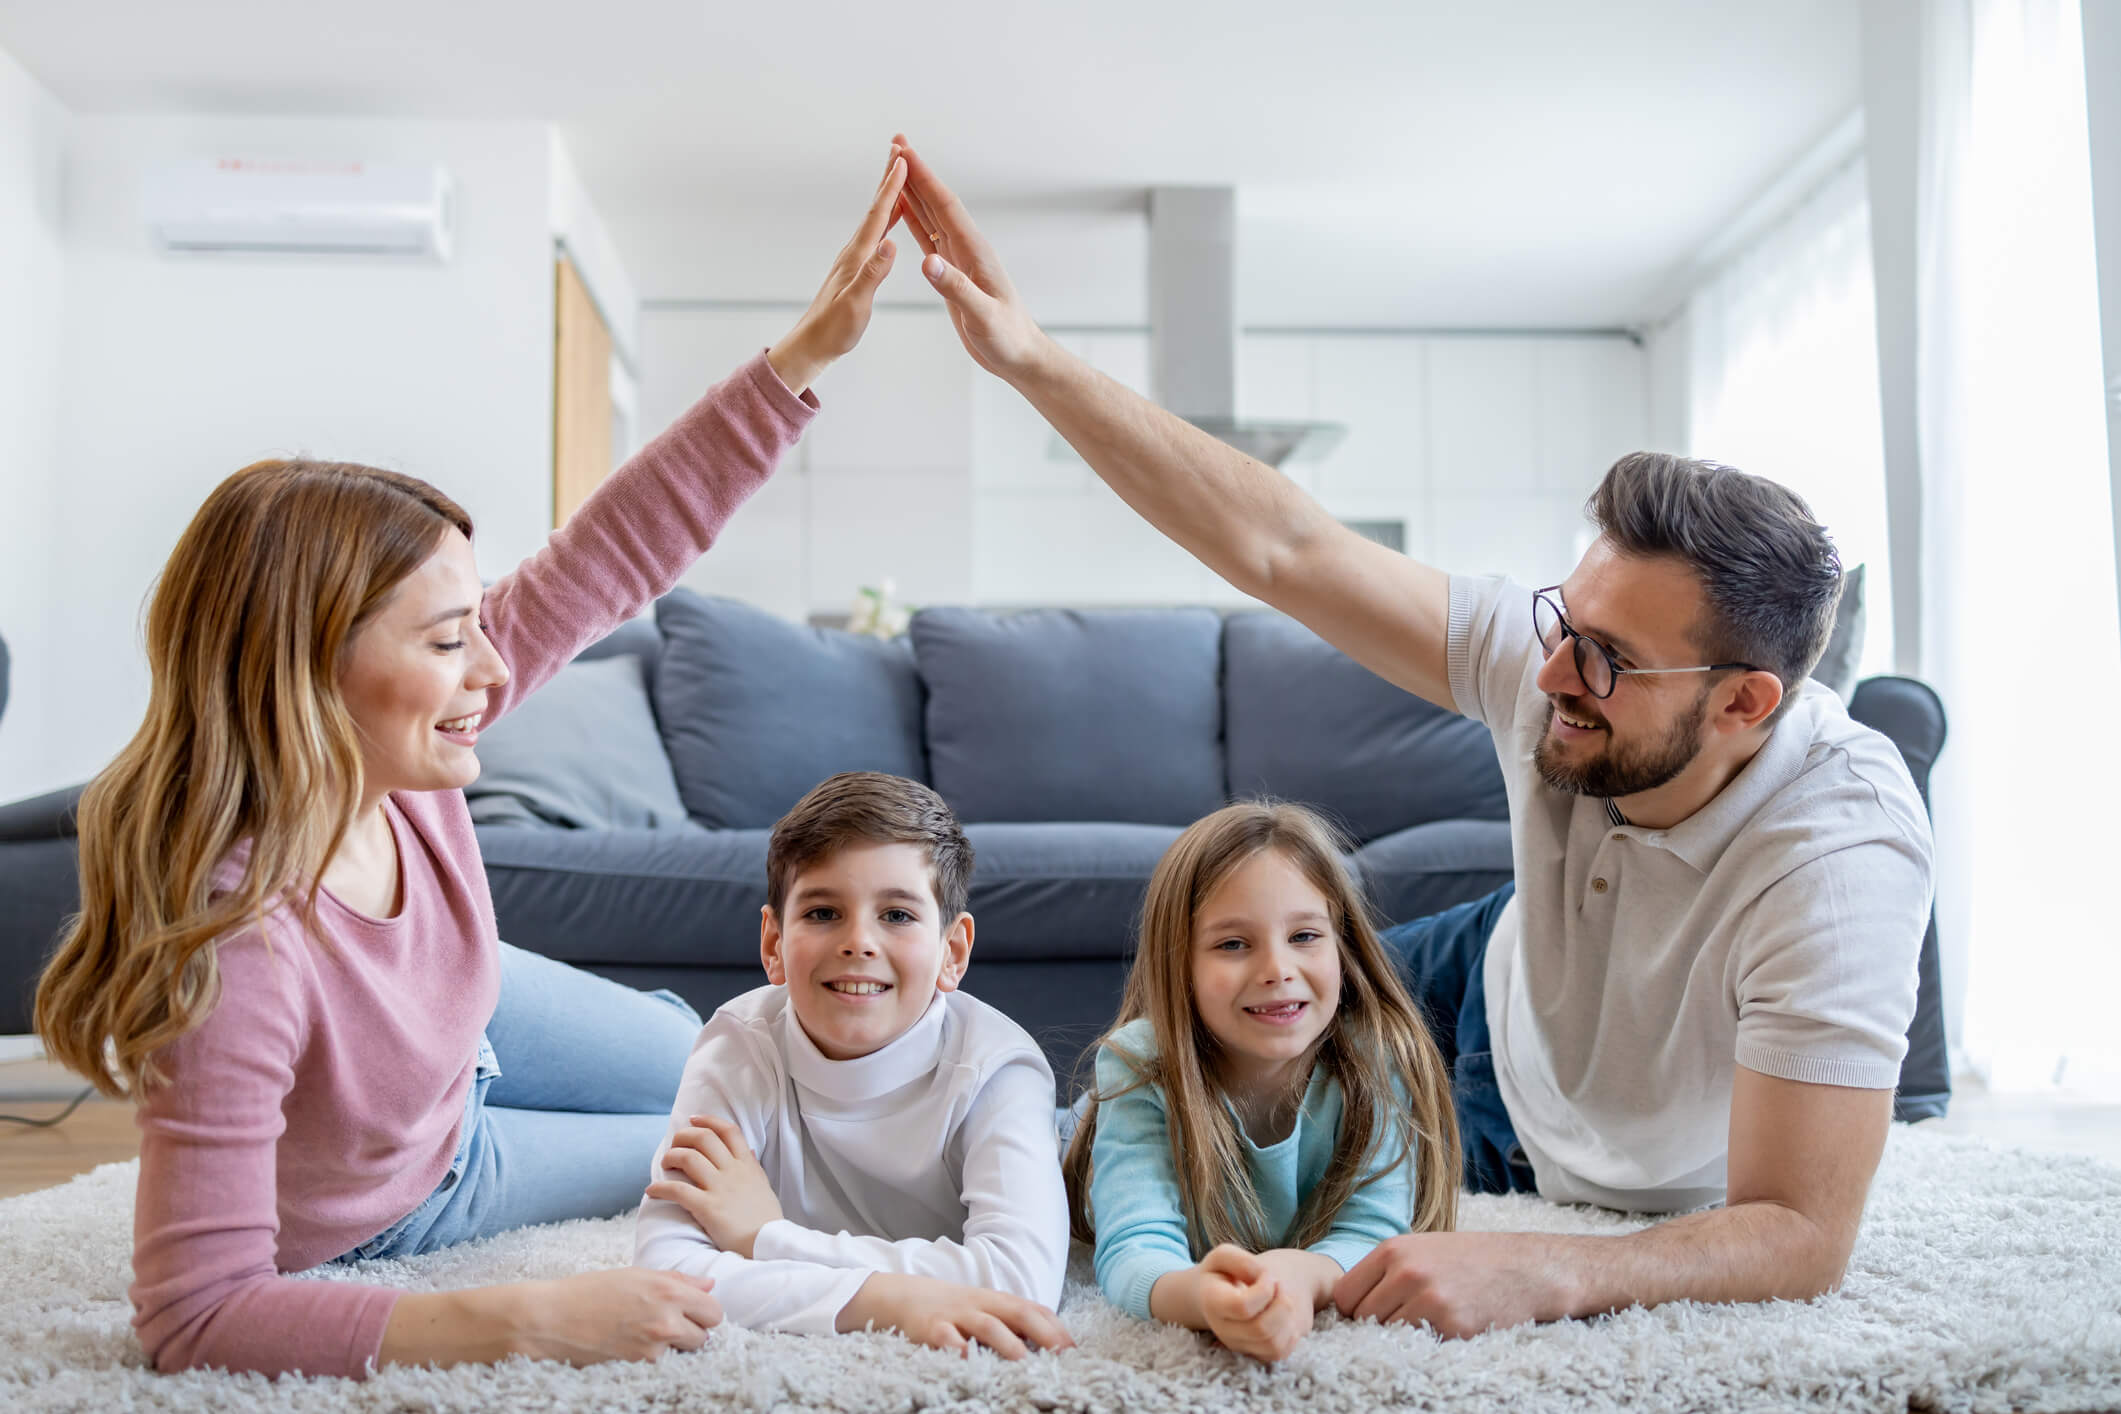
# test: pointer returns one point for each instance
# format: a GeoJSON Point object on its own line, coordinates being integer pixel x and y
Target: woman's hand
{"type": "Point", "coordinates": [947, 1316]}
{"type": "Point", "coordinates": [710, 1172]}
{"type": "Point", "coordinates": [992, 322]}
{"type": "Point", "coordinates": [624, 1314]}
{"type": "Point", "coordinates": [836, 318]}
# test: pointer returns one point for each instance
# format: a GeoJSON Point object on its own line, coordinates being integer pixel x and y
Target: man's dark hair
{"type": "Point", "coordinates": [1769, 570]}
{"type": "Point", "coordinates": [870, 807]}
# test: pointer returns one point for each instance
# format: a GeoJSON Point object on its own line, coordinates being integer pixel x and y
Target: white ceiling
{"type": "Point", "coordinates": [1537, 163]}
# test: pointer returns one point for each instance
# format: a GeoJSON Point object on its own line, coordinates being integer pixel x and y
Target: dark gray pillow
{"type": "Point", "coordinates": [582, 753]}
{"type": "Point", "coordinates": [757, 710]}
{"type": "Point", "coordinates": [1056, 714]}
{"type": "Point", "coordinates": [1844, 647]}
{"type": "Point", "coordinates": [1303, 721]}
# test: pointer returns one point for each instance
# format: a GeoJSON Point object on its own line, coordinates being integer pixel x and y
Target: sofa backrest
{"type": "Point", "coordinates": [1303, 721]}
{"type": "Point", "coordinates": [1146, 716]}
{"type": "Point", "coordinates": [754, 710]}
{"type": "Point", "coordinates": [1065, 715]}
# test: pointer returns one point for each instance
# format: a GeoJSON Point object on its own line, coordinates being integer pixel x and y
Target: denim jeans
{"type": "Point", "coordinates": [1441, 958]}
{"type": "Point", "coordinates": [575, 1079]}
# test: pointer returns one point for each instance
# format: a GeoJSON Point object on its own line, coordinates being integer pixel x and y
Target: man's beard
{"type": "Point", "coordinates": [1618, 771]}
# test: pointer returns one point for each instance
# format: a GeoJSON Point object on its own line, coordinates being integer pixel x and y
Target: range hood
{"type": "Point", "coordinates": [1193, 327]}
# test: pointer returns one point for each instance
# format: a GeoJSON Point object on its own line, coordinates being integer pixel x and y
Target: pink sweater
{"type": "Point", "coordinates": [321, 1100]}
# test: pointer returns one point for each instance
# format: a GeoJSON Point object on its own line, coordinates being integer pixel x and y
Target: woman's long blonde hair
{"type": "Point", "coordinates": [246, 739]}
{"type": "Point", "coordinates": [1375, 1046]}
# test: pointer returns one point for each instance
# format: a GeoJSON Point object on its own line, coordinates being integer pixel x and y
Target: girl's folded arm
{"type": "Point", "coordinates": [1135, 1202]}
{"type": "Point", "coordinates": [1380, 1209]}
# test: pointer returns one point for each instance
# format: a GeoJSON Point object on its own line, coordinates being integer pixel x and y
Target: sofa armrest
{"type": "Point", "coordinates": [1911, 714]}
{"type": "Point", "coordinates": [41, 817]}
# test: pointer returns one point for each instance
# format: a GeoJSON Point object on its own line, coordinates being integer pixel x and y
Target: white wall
{"type": "Point", "coordinates": [1081, 262]}
{"type": "Point", "coordinates": [177, 369]}
{"type": "Point", "coordinates": [925, 469]}
{"type": "Point", "coordinates": [578, 226]}
{"type": "Point", "coordinates": [33, 129]}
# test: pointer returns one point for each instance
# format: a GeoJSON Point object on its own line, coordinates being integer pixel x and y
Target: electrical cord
{"type": "Point", "coordinates": [72, 1105]}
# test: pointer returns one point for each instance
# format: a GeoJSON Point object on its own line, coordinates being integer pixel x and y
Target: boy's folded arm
{"type": "Point", "coordinates": [1016, 1205]}
{"type": "Point", "coordinates": [801, 1298]}
{"type": "Point", "coordinates": [725, 1076]}
{"type": "Point", "coordinates": [1135, 1204]}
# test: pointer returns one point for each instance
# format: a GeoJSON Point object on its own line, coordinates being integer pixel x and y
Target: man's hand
{"type": "Point", "coordinates": [716, 1180]}
{"type": "Point", "coordinates": [991, 320]}
{"type": "Point", "coordinates": [1461, 1283]}
{"type": "Point", "coordinates": [1249, 1307]}
{"type": "Point", "coordinates": [948, 1316]}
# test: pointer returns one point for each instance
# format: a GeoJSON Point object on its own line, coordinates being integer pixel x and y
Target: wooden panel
{"type": "Point", "coordinates": [581, 394]}
{"type": "Point", "coordinates": [100, 1132]}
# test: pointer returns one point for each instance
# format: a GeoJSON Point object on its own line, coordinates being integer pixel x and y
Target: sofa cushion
{"type": "Point", "coordinates": [637, 638]}
{"type": "Point", "coordinates": [691, 897]}
{"type": "Point", "coordinates": [1060, 890]}
{"type": "Point", "coordinates": [756, 710]}
{"type": "Point", "coordinates": [1305, 722]}
{"type": "Point", "coordinates": [685, 897]}
{"type": "Point", "coordinates": [1061, 715]}
{"type": "Point", "coordinates": [1425, 869]}
{"type": "Point", "coordinates": [1843, 653]}
{"type": "Point", "coordinates": [582, 753]}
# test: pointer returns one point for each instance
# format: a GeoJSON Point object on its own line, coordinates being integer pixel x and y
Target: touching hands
{"type": "Point", "coordinates": [1461, 1283]}
{"type": "Point", "coordinates": [836, 319]}
{"type": "Point", "coordinates": [948, 1316]}
{"type": "Point", "coordinates": [991, 320]}
{"type": "Point", "coordinates": [711, 1173]}
{"type": "Point", "coordinates": [1252, 1306]}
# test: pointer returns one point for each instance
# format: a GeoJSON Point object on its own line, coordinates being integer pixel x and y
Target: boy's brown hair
{"type": "Point", "coordinates": [870, 807]}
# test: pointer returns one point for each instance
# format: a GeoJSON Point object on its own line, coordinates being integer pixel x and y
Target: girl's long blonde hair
{"type": "Point", "coordinates": [246, 739]}
{"type": "Point", "coordinates": [1374, 1045]}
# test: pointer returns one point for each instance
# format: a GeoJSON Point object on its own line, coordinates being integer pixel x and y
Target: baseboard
{"type": "Point", "coordinates": [27, 1077]}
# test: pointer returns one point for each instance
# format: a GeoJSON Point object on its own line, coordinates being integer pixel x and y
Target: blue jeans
{"type": "Point", "coordinates": [576, 1076]}
{"type": "Point", "coordinates": [1441, 959]}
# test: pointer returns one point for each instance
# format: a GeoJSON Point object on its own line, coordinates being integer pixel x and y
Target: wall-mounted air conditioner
{"type": "Point", "coordinates": [357, 207]}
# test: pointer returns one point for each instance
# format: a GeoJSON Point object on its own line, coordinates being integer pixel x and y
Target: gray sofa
{"type": "Point", "coordinates": [624, 811]}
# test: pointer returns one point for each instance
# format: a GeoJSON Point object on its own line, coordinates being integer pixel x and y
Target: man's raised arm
{"type": "Point", "coordinates": [1238, 516]}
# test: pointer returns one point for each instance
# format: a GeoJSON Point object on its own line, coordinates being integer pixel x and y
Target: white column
{"type": "Point", "coordinates": [1892, 121]}
{"type": "Point", "coordinates": [2102, 102]}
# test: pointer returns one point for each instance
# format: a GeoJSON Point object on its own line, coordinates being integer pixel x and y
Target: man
{"type": "Point", "coordinates": [1698, 990]}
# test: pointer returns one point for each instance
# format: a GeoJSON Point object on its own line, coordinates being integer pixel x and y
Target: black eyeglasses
{"type": "Point", "coordinates": [1600, 671]}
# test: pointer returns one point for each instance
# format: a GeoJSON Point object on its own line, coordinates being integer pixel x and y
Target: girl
{"type": "Point", "coordinates": [1268, 1106]}
{"type": "Point", "coordinates": [286, 954]}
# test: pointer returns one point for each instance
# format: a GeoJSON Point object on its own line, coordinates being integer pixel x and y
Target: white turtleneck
{"type": "Point", "coordinates": [934, 1156]}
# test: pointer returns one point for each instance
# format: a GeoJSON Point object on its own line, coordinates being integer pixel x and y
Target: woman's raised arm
{"type": "Point", "coordinates": [639, 531]}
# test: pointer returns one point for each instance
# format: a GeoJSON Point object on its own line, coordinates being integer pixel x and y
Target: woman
{"type": "Point", "coordinates": [287, 954]}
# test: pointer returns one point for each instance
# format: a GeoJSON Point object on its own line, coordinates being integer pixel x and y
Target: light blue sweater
{"type": "Point", "coordinates": [1134, 1192]}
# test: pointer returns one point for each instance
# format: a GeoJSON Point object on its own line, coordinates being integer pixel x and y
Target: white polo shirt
{"type": "Point", "coordinates": [1777, 928]}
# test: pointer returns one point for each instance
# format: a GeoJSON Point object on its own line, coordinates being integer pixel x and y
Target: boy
{"type": "Point", "coordinates": [859, 1142]}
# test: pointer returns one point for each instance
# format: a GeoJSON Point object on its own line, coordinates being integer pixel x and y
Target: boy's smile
{"type": "Point", "coordinates": [862, 947]}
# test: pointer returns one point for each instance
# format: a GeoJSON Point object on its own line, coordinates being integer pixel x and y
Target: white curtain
{"type": "Point", "coordinates": [1783, 379]}
{"type": "Point", "coordinates": [2020, 632]}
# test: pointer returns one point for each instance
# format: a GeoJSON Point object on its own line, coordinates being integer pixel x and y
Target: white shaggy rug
{"type": "Point", "coordinates": [1986, 1279]}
